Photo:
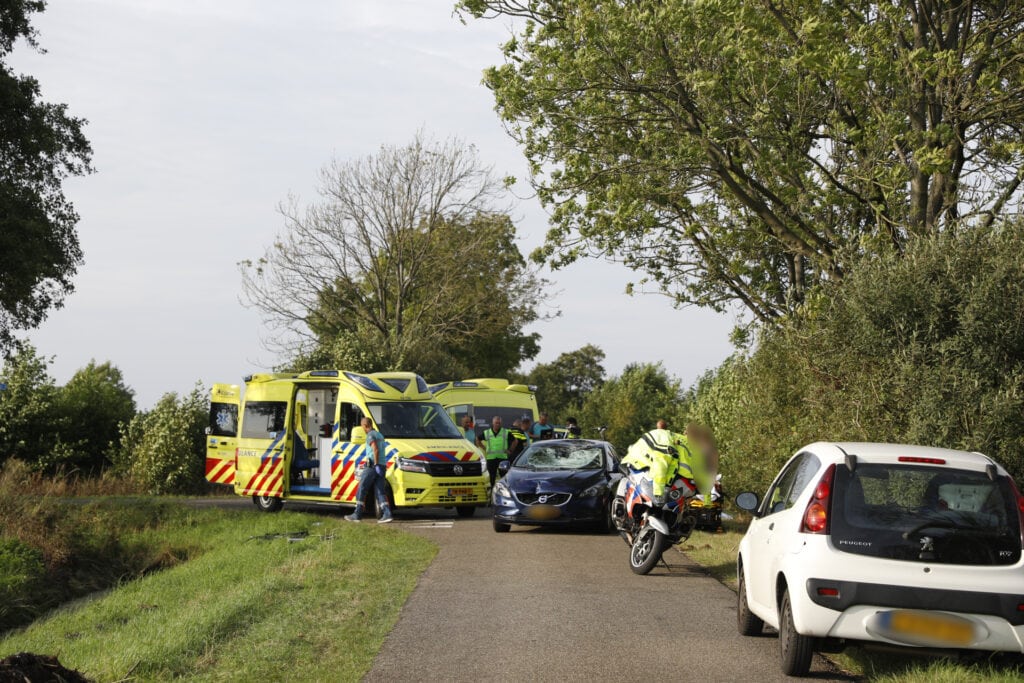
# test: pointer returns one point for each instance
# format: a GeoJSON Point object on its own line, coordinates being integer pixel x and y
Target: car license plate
{"type": "Point", "coordinates": [542, 512]}
{"type": "Point", "coordinates": [460, 492]}
{"type": "Point", "coordinates": [924, 628]}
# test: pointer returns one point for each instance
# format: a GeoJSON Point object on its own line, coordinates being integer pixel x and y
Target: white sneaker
{"type": "Point", "coordinates": [385, 520]}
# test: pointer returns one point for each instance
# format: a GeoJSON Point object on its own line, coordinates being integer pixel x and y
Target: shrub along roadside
{"type": "Point", "coordinates": [925, 348]}
{"type": "Point", "coordinates": [291, 596]}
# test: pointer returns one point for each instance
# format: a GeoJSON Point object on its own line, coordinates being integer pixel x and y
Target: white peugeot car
{"type": "Point", "coordinates": [902, 545]}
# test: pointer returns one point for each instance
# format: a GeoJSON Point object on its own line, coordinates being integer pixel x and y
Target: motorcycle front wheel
{"type": "Point", "coordinates": [647, 548]}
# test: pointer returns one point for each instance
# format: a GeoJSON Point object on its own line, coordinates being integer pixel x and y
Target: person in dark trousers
{"type": "Point", "coordinates": [371, 476]}
{"type": "Point", "coordinates": [521, 438]}
{"type": "Point", "coordinates": [496, 442]}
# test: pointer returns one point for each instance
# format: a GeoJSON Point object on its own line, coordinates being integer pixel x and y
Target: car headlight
{"type": "Point", "coordinates": [407, 465]}
{"type": "Point", "coordinates": [594, 490]}
{"type": "Point", "coordinates": [502, 490]}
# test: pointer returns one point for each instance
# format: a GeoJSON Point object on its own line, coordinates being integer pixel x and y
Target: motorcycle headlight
{"type": "Point", "coordinates": [591, 492]}
{"type": "Point", "coordinates": [659, 500]}
{"type": "Point", "coordinates": [407, 465]}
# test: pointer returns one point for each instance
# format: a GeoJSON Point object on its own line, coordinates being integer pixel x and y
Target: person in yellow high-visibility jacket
{"type": "Point", "coordinates": [662, 454]}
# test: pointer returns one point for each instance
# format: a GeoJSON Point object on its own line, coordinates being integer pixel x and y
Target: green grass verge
{"type": "Point", "coordinates": [717, 553]}
{"type": "Point", "coordinates": [290, 596]}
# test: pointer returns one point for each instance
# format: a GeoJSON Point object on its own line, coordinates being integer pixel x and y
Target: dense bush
{"type": "Point", "coordinates": [66, 430]}
{"type": "Point", "coordinates": [163, 449]}
{"type": "Point", "coordinates": [21, 575]}
{"type": "Point", "coordinates": [925, 347]}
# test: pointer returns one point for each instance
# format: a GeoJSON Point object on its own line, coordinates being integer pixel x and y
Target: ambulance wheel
{"type": "Point", "coordinates": [465, 510]}
{"type": "Point", "coordinates": [267, 503]}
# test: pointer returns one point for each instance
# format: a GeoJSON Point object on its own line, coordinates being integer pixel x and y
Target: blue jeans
{"type": "Point", "coordinates": [368, 477]}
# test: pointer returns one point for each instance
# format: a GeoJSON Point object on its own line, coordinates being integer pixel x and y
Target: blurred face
{"type": "Point", "coordinates": [496, 424]}
{"type": "Point", "coordinates": [526, 424]}
{"type": "Point", "coordinates": [467, 422]}
{"type": "Point", "coordinates": [543, 419]}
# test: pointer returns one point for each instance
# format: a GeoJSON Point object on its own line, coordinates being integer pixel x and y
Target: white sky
{"type": "Point", "coordinates": [204, 115]}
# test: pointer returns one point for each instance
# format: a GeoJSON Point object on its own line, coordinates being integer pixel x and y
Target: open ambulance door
{"type": "Point", "coordinates": [222, 434]}
{"type": "Point", "coordinates": [265, 443]}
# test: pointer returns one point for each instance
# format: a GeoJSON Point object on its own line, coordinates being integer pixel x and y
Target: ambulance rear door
{"type": "Point", "coordinates": [222, 434]}
{"type": "Point", "coordinates": [264, 441]}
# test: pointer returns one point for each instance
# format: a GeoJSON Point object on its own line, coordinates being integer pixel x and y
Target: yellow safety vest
{"type": "Point", "coordinates": [497, 444]}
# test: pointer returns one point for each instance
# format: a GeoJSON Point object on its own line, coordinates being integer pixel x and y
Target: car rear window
{"type": "Point", "coordinates": [921, 513]}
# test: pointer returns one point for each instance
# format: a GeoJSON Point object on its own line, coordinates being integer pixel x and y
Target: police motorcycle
{"type": "Point", "coordinates": [651, 524]}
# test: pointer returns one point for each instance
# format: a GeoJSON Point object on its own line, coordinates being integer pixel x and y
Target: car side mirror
{"type": "Point", "coordinates": [503, 467]}
{"type": "Point", "coordinates": [747, 501]}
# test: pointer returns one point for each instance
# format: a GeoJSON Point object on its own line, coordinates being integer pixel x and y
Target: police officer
{"type": "Point", "coordinates": [662, 454]}
{"type": "Point", "coordinates": [521, 437]}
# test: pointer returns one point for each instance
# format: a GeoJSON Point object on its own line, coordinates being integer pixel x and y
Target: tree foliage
{"type": "Point", "coordinates": [405, 263]}
{"type": "Point", "coordinates": [563, 384]}
{"type": "Point", "coordinates": [91, 409]}
{"type": "Point", "coordinates": [61, 429]}
{"type": "Point", "coordinates": [27, 407]}
{"type": "Point", "coordinates": [632, 403]}
{"type": "Point", "coordinates": [40, 146]}
{"type": "Point", "coordinates": [747, 151]}
{"type": "Point", "coordinates": [163, 449]}
{"type": "Point", "coordinates": [925, 349]}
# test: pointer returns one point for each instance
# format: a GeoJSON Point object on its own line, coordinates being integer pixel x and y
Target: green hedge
{"type": "Point", "coordinates": [926, 347]}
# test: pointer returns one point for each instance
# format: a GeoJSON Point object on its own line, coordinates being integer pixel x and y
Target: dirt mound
{"type": "Point", "coordinates": [26, 666]}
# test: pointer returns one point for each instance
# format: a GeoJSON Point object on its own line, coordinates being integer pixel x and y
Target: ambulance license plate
{"type": "Point", "coordinates": [460, 492]}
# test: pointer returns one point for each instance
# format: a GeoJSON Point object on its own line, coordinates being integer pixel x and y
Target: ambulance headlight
{"type": "Point", "coordinates": [407, 465]}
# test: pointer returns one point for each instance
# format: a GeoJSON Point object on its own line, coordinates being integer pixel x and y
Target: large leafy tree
{"type": "Point", "coordinates": [747, 150]}
{"type": "Point", "coordinates": [632, 403]}
{"type": "Point", "coordinates": [92, 408]}
{"type": "Point", "coordinates": [564, 383]}
{"type": "Point", "coordinates": [40, 146]}
{"type": "Point", "coordinates": [405, 263]}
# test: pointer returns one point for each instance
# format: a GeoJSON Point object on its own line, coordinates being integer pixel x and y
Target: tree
{"type": "Point", "coordinates": [563, 384]}
{"type": "Point", "coordinates": [632, 403]}
{"type": "Point", "coordinates": [743, 151]}
{"type": "Point", "coordinates": [40, 146]}
{"type": "Point", "coordinates": [92, 407]}
{"type": "Point", "coordinates": [27, 407]}
{"type": "Point", "coordinates": [405, 263]}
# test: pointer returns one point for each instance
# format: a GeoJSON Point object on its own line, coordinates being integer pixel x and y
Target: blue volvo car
{"type": "Point", "coordinates": [561, 482]}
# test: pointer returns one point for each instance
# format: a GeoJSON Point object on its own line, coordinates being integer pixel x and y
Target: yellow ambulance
{"type": "Point", "coordinates": [486, 398]}
{"type": "Point", "coordinates": [297, 437]}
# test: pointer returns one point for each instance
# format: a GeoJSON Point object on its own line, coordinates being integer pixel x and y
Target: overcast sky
{"type": "Point", "coordinates": [204, 115]}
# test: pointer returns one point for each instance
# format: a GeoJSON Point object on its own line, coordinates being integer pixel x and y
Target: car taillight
{"type": "Point", "coordinates": [1020, 507]}
{"type": "Point", "coordinates": [815, 519]}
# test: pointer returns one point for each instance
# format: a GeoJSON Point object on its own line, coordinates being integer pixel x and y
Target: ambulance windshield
{"type": "Point", "coordinates": [413, 420]}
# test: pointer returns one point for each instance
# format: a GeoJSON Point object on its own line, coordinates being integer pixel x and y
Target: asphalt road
{"type": "Point", "coordinates": [544, 605]}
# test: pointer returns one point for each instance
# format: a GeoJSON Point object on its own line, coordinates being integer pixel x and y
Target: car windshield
{"type": "Point", "coordinates": [925, 513]}
{"type": "Point", "coordinates": [561, 456]}
{"type": "Point", "coordinates": [413, 420]}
